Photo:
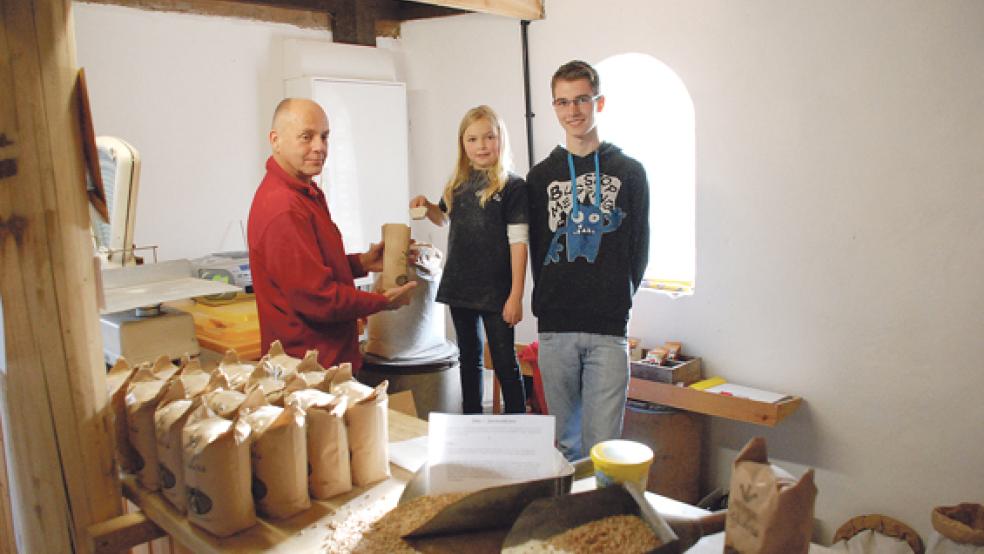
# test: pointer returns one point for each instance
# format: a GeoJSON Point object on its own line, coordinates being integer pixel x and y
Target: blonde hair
{"type": "Point", "coordinates": [496, 175]}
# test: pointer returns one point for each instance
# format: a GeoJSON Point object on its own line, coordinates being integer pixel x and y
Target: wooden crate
{"type": "Point", "coordinates": [684, 370]}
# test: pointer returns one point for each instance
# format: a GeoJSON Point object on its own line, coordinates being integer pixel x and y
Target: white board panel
{"type": "Point", "coordinates": [366, 176]}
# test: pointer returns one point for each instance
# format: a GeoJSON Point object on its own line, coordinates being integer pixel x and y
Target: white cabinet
{"type": "Point", "coordinates": [366, 177]}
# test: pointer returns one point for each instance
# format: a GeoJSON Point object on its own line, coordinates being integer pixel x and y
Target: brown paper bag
{"type": "Point", "coordinates": [143, 394]}
{"type": "Point", "coordinates": [217, 473]}
{"type": "Point", "coordinates": [164, 368]}
{"type": "Point", "coordinates": [279, 457]}
{"type": "Point", "coordinates": [769, 512]}
{"type": "Point", "coordinates": [368, 434]}
{"type": "Point", "coordinates": [236, 372]}
{"type": "Point", "coordinates": [169, 420]}
{"type": "Point", "coordinates": [194, 378]}
{"type": "Point", "coordinates": [343, 383]}
{"type": "Point", "coordinates": [396, 241]}
{"type": "Point", "coordinates": [117, 383]}
{"type": "Point", "coordinates": [225, 403]}
{"type": "Point", "coordinates": [329, 467]}
{"type": "Point", "coordinates": [277, 357]}
{"type": "Point", "coordinates": [271, 379]}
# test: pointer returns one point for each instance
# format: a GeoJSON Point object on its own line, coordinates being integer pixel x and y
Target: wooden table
{"type": "Point", "coordinates": [309, 531]}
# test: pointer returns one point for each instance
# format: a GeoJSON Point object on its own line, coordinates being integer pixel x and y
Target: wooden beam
{"type": "Point", "coordinates": [414, 10]}
{"type": "Point", "coordinates": [354, 21]}
{"type": "Point", "coordinates": [519, 9]}
{"type": "Point", "coordinates": [53, 388]}
{"type": "Point", "coordinates": [122, 533]}
{"type": "Point", "coordinates": [307, 14]}
{"type": "Point", "coordinates": [7, 544]}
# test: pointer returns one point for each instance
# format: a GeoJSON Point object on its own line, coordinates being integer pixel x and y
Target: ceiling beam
{"type": "Point", "coordinates": [519, 9]}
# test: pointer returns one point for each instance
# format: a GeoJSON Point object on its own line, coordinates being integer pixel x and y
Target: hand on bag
{"type": "Point", "coordinates": [372, 260]}
{"type": "Point", "coordinates": [399, 296]}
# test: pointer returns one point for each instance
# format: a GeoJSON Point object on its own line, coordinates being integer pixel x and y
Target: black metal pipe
{"type": "Point", "coordinates": [524, 26]}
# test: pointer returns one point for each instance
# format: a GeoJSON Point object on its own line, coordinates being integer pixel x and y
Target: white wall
{"type": "Point", "coordinates": [194, 95]}
{"type": "Point", "coordinates": [840, 240]}
{"type": "Point", "coordinates": [839, 198]}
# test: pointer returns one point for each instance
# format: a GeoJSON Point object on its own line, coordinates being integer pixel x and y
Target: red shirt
{"type": "Point", "coordinates": [303, 280]}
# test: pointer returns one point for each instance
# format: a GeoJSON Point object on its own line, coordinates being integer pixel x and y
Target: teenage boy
{"type": "Point", "coordinates": [588, 252]}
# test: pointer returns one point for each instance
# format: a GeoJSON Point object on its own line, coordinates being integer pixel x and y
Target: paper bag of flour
{"type": "Point", "coordinates": [343, 383]}
{"type": "Point", "coordinates": [279, 457]}
{"type": "Point", "coordinates": [169, 420]}
{"type": "Point", "coordinates": [271, 379]}
{"type": "Point", "coordinates": [769, 512]}
{"type": "Point", "coordinates": [236, 372]}
{"type": "Point", "coordinates": [193, 377]}
{"type": "Point", "coordinates": [143, 394]}
{"type": "Point", "coordinates": [117, 384]}
{"type": "Point", "coordinates": [225, 403]}
{"type": "Point", "coordinates": [217, 473]}
{"type": "Point", "coordinates": [276, 356]}
{"type": "Point", "coordinates": [164, 368]}
{"type": "Point", "coordinates": [329, 468]}
{"type": "Point", "coordinates": [368, 435]}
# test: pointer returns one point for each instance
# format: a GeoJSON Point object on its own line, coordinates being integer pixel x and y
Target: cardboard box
{"type": "Point", "coordinates": [685, 370]}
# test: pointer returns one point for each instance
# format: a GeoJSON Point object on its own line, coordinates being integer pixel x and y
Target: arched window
{"type": "Point", "coordinates": [649, 114]}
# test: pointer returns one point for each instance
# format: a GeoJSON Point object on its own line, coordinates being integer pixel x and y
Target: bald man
{"type": "Point", "coordinates": [302, 277]}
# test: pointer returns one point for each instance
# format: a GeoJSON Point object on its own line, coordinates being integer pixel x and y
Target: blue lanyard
{"type": "Point", "coordinates": [575, 204]}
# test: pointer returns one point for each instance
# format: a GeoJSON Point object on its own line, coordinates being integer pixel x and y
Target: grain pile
{"type": "Point", "coordinates": [625, 534]}
{"type": "Point", "coordinates": [382, 535]}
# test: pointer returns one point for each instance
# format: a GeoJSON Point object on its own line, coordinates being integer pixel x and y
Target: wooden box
{"type": "Point", "coordinates": [683, 370]}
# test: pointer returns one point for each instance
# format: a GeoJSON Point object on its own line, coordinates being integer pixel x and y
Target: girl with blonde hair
{"type": "Point", "coordinates": [486, 264]}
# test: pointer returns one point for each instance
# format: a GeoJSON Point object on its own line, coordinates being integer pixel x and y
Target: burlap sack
{"type": "Point", "coordinates": [769, 512]}
{"type": "Point", "coordinates": [169, 420]}
{"type": "Point", "coordinates": [329, 468]}
{"type": "Point", "coordinates": [368, 434]}
{"type": "Point", "coordinates": [217, 473]}
{"type": "Point", "coordinates": [117, 384]}
{"type": "Point", "coordinates": [279, 457]}
{"type": "Point", "coordinates": [957, 529]}
{"type": "Point", "coordinates": [236, 372]}
{"type": "Point", "coordinates": [416, 331]}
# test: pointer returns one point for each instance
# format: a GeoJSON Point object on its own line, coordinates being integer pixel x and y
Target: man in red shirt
{"type": "Point", "coordinates": [302, 277]}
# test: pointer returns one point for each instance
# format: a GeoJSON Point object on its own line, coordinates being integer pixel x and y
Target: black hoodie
{"type": "Point", "coordinates": [586, 269]}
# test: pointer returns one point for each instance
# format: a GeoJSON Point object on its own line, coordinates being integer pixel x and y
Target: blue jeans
{"type": "Point", "coordinates": [585, 379]}
{"type": "Point", "coordinates": [503, 352]}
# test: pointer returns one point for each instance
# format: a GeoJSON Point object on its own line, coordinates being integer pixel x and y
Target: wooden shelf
{"type": "Point", "coordinates": [730, 407]}
{"type": "Point", "coordinates": [308, 531]}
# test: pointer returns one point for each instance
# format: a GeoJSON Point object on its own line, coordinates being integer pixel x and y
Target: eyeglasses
{"type": "Point", "coordinates": [577, 101]}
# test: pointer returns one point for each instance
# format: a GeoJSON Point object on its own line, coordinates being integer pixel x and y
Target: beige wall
{"type": "Point", "coordinates": [839, 198]}
{"type": "Point", "coordinates": [840, 241]}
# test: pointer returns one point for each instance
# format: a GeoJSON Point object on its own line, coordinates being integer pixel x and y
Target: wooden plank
{"type": "Point", "coordinates": [123, 532]}
{"type": "Point", "coordinates": [519, 9]}
{"type": "Point", "coordinates": [307, 14]}
{"type": "Point", "coordinates": [54, 395]}
{"type": "Point", "coordinates": [739, 409]}
{"type": "Point", "coordinates": [7, 544]}
{"type": "Point", "coordinates": [308, 531]}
